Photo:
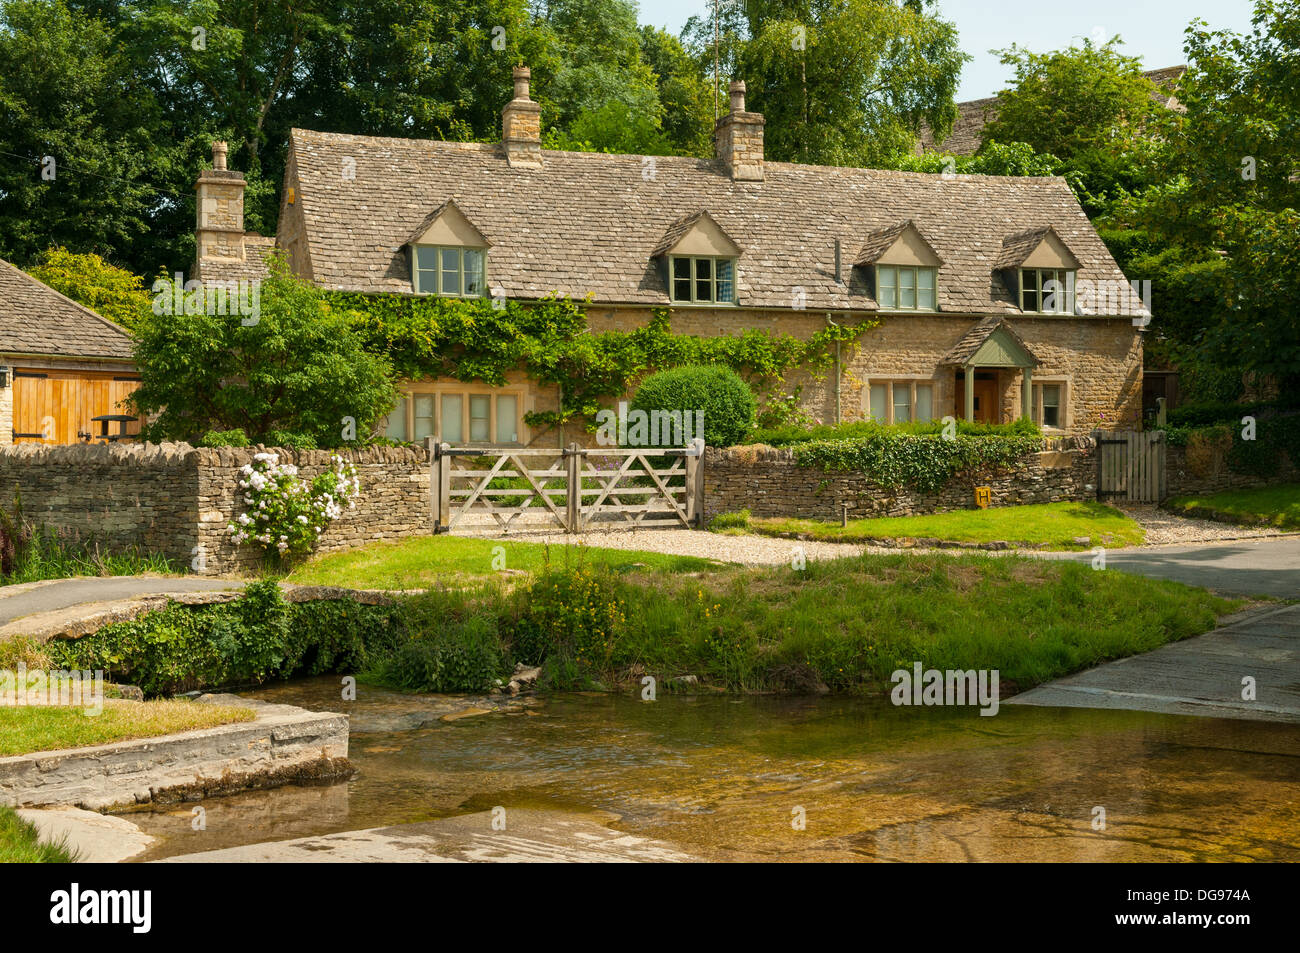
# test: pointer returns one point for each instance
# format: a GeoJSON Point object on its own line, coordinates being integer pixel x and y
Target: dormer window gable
{"type": "Point", "coordinates": [448, 254]}
{"type": "Point", "coordinates": [1040, 270]}
{"type": "Point", "coordinates": [904, 268]}
{"type": "Point", "coordinates": [698, 261]}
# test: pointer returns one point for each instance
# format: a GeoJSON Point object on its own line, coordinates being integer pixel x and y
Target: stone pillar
{"type": "Point", "coordinates": [1027, 393]}
{"type": "Point", "coordinates": [521, 125]}
{"type": "Point", "coordinates": [738, 139]}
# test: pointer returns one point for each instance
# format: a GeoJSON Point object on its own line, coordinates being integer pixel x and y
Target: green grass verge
{"type": "Point", "coordinates": [20, 844]}
{"type": "Point", "coordinates": [1263, 506]}
{"type": "Point", "coordinates": [28, 728]}
{"type": "Point", "coordinates": [1051, 525]}
{"type": "Point", "coordinates": [847, 623]}
{"type": "Point", "coordinates": [422, 561]}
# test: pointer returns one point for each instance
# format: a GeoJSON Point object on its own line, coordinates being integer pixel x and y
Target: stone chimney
{"type": "Point", "coordinates": [219, 226]}
{"type": "Point", "coordinates": [521, 125]}
{"type": "Point", "coordinates": [738, 138]}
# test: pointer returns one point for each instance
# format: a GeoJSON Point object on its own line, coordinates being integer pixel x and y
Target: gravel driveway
{"type": "Point", "coordinates": [1164, 527]}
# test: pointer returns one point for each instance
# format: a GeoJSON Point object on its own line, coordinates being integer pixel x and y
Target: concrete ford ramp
{"type": "Point", "coordinates": [528, 836]}
{"type": "Point", "coordinates": [1198, 676]}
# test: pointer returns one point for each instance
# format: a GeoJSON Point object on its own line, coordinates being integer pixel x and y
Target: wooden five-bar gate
{"type": "Point", "coordinates": [1131, 466]}
{"type": "Point", "coordinates": [574, 488]}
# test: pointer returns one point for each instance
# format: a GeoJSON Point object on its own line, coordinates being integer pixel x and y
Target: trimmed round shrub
{"type": "Point", "coordinates": [726, 401]}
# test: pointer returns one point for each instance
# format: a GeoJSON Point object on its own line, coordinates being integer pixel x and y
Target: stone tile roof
{"type": "Point", "coordinates": [588, 223]}
{"type": "Point", "coordinates": [1016, 248]}
{"type": "Point", "coordinates": [974, 339]}
{"type": "Point", "coordinates": [678, 229]}
{"type": "Point", "coordinates": [973, 115]}
{"type": "Point", "coordinates": [35, 319]}
{"type": "Point", "coordinates": [878, 243]}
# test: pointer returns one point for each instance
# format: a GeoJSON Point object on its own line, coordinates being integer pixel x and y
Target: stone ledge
{"type": "Point", "coordinates": [282, 744]}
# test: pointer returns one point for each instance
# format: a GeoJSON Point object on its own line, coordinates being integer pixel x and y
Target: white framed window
{"type": "Point", "coordinates": [907, 288]}
{"type": "Point", "coordinates": [449, 270]}
{"type": "Point", "coordinates": [458, 416]}
{"type": "Point", "coordinates": [1047, 290]}
{"type": "Point", "coordinates": [698, 279]}
{"type": "Point", "coordinates": [1050, 408]}
{"type": "Point", "coordinates": [900, 401]}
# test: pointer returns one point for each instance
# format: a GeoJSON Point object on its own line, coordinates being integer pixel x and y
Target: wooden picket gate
{"type": "Point", "coordinates": [572, 488]}
{"type": "Point", "coordinates": [1131, 466]}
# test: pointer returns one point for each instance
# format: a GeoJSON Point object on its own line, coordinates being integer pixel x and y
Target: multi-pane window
{"type": "Point", "coordinates": [455, 417]}
{"type": "Point", "coordinates": [906, 288]}
{"type": "Point", "coordinates": [896, 402]}
{"type": "Point", "coordinates": [1048, 404]}
{"type": "Point", "coordinates": [453, 271]}
{"type": "Point", "coordinates": [703, 280]}
{"type": "Point", "coordinates": [1047, 290]}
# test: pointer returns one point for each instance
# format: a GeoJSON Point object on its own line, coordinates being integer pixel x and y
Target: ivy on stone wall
{"type": "Point", "coordinates": [427, 338]}
{"type": "Point", "coordinates": [925, 462]}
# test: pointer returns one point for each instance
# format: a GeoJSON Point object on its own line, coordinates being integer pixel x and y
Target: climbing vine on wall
{"type": "Point", "coordinates": [428, 338]}
{"type": "Point", "coordinates": [924, 461]}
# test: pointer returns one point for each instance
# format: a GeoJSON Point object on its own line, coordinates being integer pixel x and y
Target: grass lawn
{"type": "Point", "coordinates": [1055, 524]}
{"type": "Point", "coordinates": [1265, 506]}
{"type": "Point", "coordinates": [19, 843]}
{"type": "Point", "coordinates": [25, 728]}
{"type": "Point", "coordinates": [854, 621]}
{"type": "Point", "coordinates": [422, 561]}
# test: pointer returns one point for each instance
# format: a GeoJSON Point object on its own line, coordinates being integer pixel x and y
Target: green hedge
{"type": "Point", "coordinates": [925, 462]}
{"type": "Point", "coordinates": [719, 393]}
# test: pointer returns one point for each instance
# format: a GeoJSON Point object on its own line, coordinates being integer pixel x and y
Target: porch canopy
{"type": "Point", "coordinates": [992, 343]}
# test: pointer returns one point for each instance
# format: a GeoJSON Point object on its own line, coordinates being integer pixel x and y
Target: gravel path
{"type": "Point", "coordinates": [1164, 527]}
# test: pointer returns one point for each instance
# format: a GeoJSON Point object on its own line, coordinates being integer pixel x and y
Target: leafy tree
{"type": "Point", "coordinates": [684, 94]}
{"type": "Point", "coordinates": [113, 292]}
{"type": "Point", "coordinates": [840, 83]}
{"type": "Point", "coordinates": [297, 369]}
{"type": "Point", "coordinates": [67, 91]}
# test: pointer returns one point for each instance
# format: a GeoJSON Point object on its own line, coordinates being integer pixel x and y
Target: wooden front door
{"type": "Point", "coordinates": [57, 407]}
{"type": "Point", "coordinates": [987, 408]}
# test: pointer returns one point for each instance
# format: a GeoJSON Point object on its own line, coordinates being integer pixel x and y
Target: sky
{"type": "Point", "coordinates": [1151, 29]}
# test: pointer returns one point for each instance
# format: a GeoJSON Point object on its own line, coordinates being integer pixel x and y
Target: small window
{"type": "Point", "coordinates": [906, 288]}
{"type": "Point", "coordinates": [1047, 290]}
{"type": "Point", "coordinates": [924, 402]}
{"type": "Point", "coordinates": [395, 422]}
{"type": "Point", "coordinates": [425, 425]}
{"type": "Point", "coordinates": [452, 425]}
{"type": "Point", "coordinates": [507, 419]}
{"type": "Point", "coordinates": [704, 280]}
{"type": "Point", "coordinates": [880, 403]}
{"type": "Point", "coordinates": [480, 418]}
{"type": "Point", "coordinates": [902, 401]}
{"type": "Point", "coordinates": [448, 271]}
{"type": "Point", "coordinates": [1047, 404]}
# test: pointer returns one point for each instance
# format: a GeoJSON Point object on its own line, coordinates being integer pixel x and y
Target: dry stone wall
{"type": "Point", "coordinates": [177, 500]}
{"type": "Point", "coordinates": [769, 482]}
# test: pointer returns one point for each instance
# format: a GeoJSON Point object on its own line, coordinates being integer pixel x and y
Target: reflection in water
{"type": "Point", "coordinates": [719, 776]}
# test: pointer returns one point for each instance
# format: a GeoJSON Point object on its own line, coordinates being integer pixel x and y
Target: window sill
{"type": "Point", "coordinates": [703, 304]}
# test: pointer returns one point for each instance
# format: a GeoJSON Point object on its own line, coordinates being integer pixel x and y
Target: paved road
{"type": "Point", "coordinates": [1252, 567]}
{"type": "Point", "coordinates": [1198, 676]}
{"type": "Point", "coordinates": [19, 601]}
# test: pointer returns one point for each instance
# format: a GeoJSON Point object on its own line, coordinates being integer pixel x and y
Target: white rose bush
{"type": "Point", "coordinates": [285, 515]}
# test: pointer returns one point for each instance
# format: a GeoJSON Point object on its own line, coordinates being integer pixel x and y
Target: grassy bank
{"type": "Point", "coordinates": [846, 624]}
{"type": "Point", "coordinates": [28, 728]}
{"type": "Point", "coordinates": [20, 844]}
{"type": "Point", "coordinates": [1263, 506]}
{"type": "Point", "coordinates": [422, 561]}
{"type": "Point", "coordinates": [1048, 525]}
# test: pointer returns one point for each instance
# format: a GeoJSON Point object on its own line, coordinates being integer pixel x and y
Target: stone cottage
{"type": "Point", "coordinates": [995, 296]}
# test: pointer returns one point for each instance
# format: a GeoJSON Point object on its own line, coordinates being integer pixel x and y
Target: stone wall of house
{"type": "Point", "coordinates": [1097, 360]}
{"type": "Point", "coordinates": [177, 500]}
{"type": "Point", "coordinates": [768, 482]}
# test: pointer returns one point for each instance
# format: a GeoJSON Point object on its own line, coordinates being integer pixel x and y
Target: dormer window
{"type": "Point", "coordinates": [906, 287]}
{"type": "Point", "coordinates": [698, 279]}
{"type": "Point", "coordinates": [1047, 290]}
{"type": "Point", "coordinates": [450, 271]}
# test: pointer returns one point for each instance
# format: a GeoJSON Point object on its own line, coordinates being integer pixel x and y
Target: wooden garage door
{"type": "Point", "coordinates": [58, 406]}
